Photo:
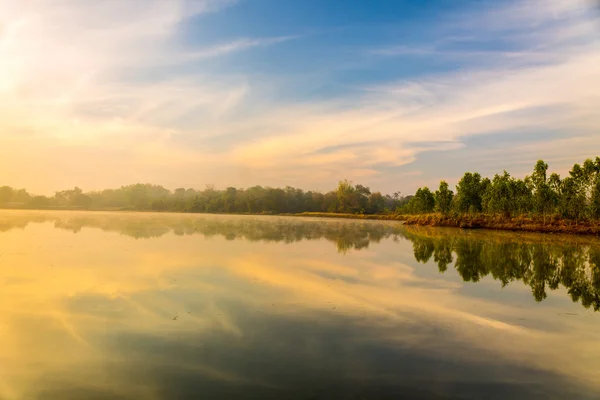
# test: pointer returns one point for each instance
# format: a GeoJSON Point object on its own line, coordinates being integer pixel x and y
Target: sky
{"type": "Point", "coordinates": [394, 94]}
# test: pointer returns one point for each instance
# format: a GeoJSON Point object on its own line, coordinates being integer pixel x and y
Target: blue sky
{"type": "Point", "coordinates": [392, 94]}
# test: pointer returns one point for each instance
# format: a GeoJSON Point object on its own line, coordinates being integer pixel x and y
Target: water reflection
{"type": "Point", "coordinates": [346, 234]}
{"type": "Point", "coordinates": [279, 312]}
{"type": "Point", "coordinates": [541, 262]}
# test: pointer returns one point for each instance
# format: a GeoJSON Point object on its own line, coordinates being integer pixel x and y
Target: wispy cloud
{"type": "Point", "coordinates": [104, 90]}
{"type": "Point", "coordinates": [238, 45]}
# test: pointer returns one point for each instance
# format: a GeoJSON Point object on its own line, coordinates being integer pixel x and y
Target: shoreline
{"type": "Point", "coordinates": [511, 224]}
{"type": "Point", "coordinates": [377, 217]}
{"type": "Point", "coordinates": [514, 224]}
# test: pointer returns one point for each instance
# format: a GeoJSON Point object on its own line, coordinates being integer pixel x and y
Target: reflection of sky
{"type": "Point", "coordinates": [91, 315]}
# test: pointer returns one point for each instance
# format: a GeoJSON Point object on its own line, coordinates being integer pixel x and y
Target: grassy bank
{"type": "Point", "coordinates": [479, 221]}
{"type": "Point", "coordinates": [380, 217]}
{"type": "Point", "coordinates": [523, 224]}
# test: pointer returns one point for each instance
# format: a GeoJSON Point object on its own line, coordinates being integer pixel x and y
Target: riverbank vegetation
{"type": "Point", "coordinates": [575, 197]}
{"type": "Point", "coordinates": [538, 202]}
{"type": "Point", "coordinates": [553, 224]}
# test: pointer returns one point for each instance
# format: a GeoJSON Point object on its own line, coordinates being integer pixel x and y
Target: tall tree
{"type": "Point", "coordinates": [499, 197]}
{"type": "Point", "coordinates": [595, 198]}
{"type": "Point", "coordinates": [571, 202]}
{"type": "Point", "coordinates": [469, 192]}
{"type": "Point", "coordinates": [423, 202]}
{"type": "Point", "coordinates": [443, 198]}
{"type": "Point", "coordinates": [544, 197]}
{"type": "Point", "coordinates": [345, 192]}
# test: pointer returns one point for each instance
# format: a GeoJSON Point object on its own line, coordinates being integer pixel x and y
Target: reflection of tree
{"type": "Point", "coordinates": [539, 262]}
{"type": "Point", "coordinates": [443, 255]}
{"type": "Point", "coordinates": [468, 260]}
{"type": "Point", "coordinates": [15, 220]}
{"type": "Point", "coordinates": [424, 250]}
{"type": "Point", "coordinates": [346, 234]}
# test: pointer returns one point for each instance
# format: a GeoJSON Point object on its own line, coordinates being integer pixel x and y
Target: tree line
{"type": "Point", "coordinates": [576, 196]}
{"type": "Point", "coordinates": [346, 198]}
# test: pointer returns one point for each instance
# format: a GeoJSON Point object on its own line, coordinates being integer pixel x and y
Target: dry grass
{"type": "Point", "coordinates": [524, 224]}
{"type": "Point", "coordinates": [386, 217]}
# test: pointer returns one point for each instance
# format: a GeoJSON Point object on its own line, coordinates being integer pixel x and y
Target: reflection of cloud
{"type": "Point", "coordinates": [265, 317]}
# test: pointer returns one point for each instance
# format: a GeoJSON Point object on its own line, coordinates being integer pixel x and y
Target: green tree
{"type": "Point", "coordinates": [361, 198]}
{"type": "Point", "coordinates": [422, 202]}
{"type": "Point", "coordinates": [21, 196]}
{"type": "Point", "coordinates": [40, 202]}
{"type": "Point", "coordinates": [522, 189]}
{"type": "Point", "coordinates": [595, 198]}
{"type": "Point", "coordinates": [376, 203]}
{"type": "Point", "coordinates": [344, 193]}
{"type": "Point", "coordinates": [571, 202]}
{"type": "Point", "coordinates": [544, 197]}
{"type": "Point", "coordinates": [499, 197]}
{"type": "Point", "coordinates": [229, 197]}
{"type": "Point", "coordinates": [469, 193]}
{"type": "Point", "coordinates": [352, 199]}
{"type": "Point", "coordinates": [443, 198]}
{"type": "Point", "coordinates": [6, 194]}
{"type": "Point", "coordinates": [73, 198]}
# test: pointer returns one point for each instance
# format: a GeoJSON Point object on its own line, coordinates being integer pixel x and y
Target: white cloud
{"type": "Point", "coordinates": [237, 45]}
{"type": "Point", "coordinates": [63, 95]}
{"type": "Point", "coordinates": [557, 94]}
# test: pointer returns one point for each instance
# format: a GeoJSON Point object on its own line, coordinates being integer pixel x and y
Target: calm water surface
{"type": "Point", "coordinates": [166, 306]}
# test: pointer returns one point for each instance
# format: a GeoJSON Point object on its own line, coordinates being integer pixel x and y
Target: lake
{"type": "Point", "coordinates": [170, 306]}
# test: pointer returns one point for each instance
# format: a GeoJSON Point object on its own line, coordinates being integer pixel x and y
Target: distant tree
{"type": "Point", "coordinates": [469, 193]}
{"type": "Point", "coordinates": [544, 197]}
{"type": "Point", "coordinates": [498, 197]}
{"type": "Point", "coordinates": [137, 196]}
{"type": "Point", "coordinates": [73, 198]}
{"type": "Point", "coordinates": [507, 196]}
{"type": "Point", "coordinates": [523, 198]}
{"type": "Point", "coordinates": [352, 199]}
{"type": "Point", "coordinates": [330, 202]}
{"type": "Point", "coordinates": [575, 197]}
{"type": "Point", "coordinates": [422, 202]}
{"type": "Point", "coordinates": [21, 196]}
{"type": "Point", "coordinates": [595, 198]}
{"type": "Point", "coordinates": [376, 203]}
{"type": "Point", "coordinates": [6, 194]}
{"type": "Point", "coordinates": [345, 192]}
{"type": "Point", "coordinates": [318, 201]}
{"type": "Point", "coordinates": [229, 199]}
{"type": "Point", "coordinates": [361, 198]}
{"type": "Point", "coordinates": [40, 202]}
{"type": "Point", "coordinates": [571, 202]}
{"type": "Point", "coordinates": [443, 198]}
